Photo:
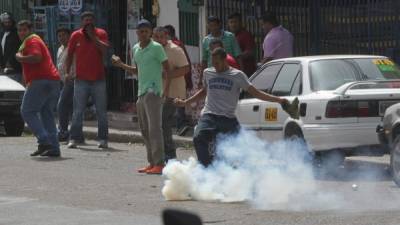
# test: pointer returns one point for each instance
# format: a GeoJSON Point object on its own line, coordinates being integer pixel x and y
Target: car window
{"type": "Point", "coordinates": [378, 68]}
{"type": "Point", "coordinates": [296, 89]}
{"type": "Point", "coordinates": [331, 74]}
{"type": "Point", "coordinates": [265, 79]}
{"type": "Point", "coordinates": [286, 79]}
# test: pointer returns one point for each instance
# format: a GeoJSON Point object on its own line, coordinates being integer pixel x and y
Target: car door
{"type": "Point", "coordinates": [248, 111]}
{"type": "Point", "coordinates": [272, 117]}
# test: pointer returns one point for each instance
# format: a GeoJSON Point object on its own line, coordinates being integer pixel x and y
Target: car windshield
{"type": "Point", "coordinates": [331, 74]}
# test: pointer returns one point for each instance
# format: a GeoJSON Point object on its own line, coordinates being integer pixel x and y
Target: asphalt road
{"type": "Point", "coordinates": [90, 186]}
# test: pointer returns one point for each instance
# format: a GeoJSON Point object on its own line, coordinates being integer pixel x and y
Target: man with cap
{"type": "Point", "coordinates": [151, 65]}
{"type": "Point", "coordinates": [87, 46]}
{"type": "Point", "coordinates": [9, 44]}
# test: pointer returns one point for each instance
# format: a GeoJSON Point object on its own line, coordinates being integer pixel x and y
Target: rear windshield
{"type": "Point", "coordinates": [331, 74]}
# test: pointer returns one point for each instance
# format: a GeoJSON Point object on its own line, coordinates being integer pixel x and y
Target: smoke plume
{"type": "Point", "coordinates": [247, 169]}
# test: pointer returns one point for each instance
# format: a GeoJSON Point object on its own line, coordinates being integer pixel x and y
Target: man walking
{"type": "Point", "coordinates": [10, 43]}
{"type": "Point", "coordinates": [246, 42]}
{"type": "Point", "coordinates": [222, 86]}
{"type": "Point", "coordinates": [178, 66]}
{"type": "Point", "coordinates": [278, 42]}
{"type": "Point", "coordinates": [151, 61]}
{"type": "Point", "coordinates": [42, 90]}
{"type": "Point", "coordinates": [87, 46]}
{"type": "Point", "coordinates": [65, 102]}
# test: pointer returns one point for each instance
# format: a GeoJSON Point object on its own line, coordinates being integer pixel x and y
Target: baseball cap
{"type": "Point", "coordinates": [143, 23]}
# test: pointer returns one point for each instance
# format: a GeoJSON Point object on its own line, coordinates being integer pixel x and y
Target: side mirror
{"type": "Point", "coordinates": [178, 217]}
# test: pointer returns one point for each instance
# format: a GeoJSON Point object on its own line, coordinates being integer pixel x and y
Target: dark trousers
{"type": "Point", "coordinates": [65, 108]}
{"type": "Point", "coordinates": [206, 131]}
{"type": "Point", "coordinates": [168, 119]}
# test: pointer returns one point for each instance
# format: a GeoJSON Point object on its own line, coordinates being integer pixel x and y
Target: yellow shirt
{"type": "Point", "coordinates": [176, 59]}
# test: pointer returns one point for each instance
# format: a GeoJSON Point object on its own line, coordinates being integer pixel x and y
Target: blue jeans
{"type": "Point", "coordinates": [65, 108]}
{"type": "Point", "coordinates": [37, 110]}
{"type": "Point", "coordinates": [206, 131]}
{"type": "Point", "coordinates": [97, 90]}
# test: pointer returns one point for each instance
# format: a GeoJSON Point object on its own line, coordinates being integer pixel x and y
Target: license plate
{"type": "Point", "coordinates": [271, 114]}
{"type": "Point", "coordinates": [383, 105]}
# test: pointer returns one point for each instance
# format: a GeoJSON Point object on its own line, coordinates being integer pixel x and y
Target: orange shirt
{"type": "Point", "coordinates": [89, 59]}
{"type": "Point", "coordinates": [45, 69]}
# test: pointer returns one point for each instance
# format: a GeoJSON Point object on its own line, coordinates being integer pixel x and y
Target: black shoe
{"type": "Point", "coordinates": [50, 153]}
{"type": "Point", "coordinates": [41, 149]}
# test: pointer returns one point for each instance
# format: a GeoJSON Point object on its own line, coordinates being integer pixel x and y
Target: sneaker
{"type": "Point", "coordinates": [50, 153]}
{"type": "Point", "coordinates": [156, 170]}
{"type": "Point", "coordinates": [41, 149]}
{"type": "Point", "coordinates": [145, 169]}
{"type": "Point", "coordinates": [102, 144]}
{"type": "Point", "coordinates": [72, 144]}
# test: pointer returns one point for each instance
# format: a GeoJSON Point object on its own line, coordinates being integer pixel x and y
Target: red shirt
{"type": "Point", "coordinates": [45, 69]}
{"type": "Point", "coordinates": [247, 45]}
{"type": "Point", "coordinates": [89, 59]}
{"type": "Point", "coordinates": [232, 61]}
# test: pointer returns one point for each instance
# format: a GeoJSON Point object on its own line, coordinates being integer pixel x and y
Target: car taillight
{"type": "Point", "coordinates": [342, 109]}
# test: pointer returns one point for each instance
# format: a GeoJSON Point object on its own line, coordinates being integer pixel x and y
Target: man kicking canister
{"type": "Point", "coordinates": [222, 86]}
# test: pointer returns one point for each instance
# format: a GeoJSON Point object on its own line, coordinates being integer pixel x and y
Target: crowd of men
{"type": "Point", "coordinates": [163, 68]}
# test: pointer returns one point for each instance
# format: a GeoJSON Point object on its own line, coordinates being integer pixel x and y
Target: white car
{"type": "Point", "coordinates": [342, 100]}
{"type": "Point", "coordinates": [11, 94]}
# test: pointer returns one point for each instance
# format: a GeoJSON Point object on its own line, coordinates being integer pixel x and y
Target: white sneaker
{"type": "Point", "coordinates": [72, 144]}
{"type": "Point", "coordinates": [102, 144]}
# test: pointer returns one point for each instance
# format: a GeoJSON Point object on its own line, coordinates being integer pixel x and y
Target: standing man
{"type": "Point", "coordinates": [178, 66]}
{"type": "Point", "coordinates": [278, 42]}
{"type": "Point", "coordinates": [87, 47]}
{"type": "Point", "coordinates": [151, 60]}
{"type": "Point", "coordinates": [10, 43]}
{"type": "Point", "coordinates": [229, 40]}
{"type": "Point", "coordinates": [222, 86]}
{"type": "Point", "coordinates": [246, 42]}
{"type": "Point", "coordinates": [65, 102]}
{"type": "Point", "coordinates": [42, 90]}
{"type": "Point", "coordinates": [181, 121]}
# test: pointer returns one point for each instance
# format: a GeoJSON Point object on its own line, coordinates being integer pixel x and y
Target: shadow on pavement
{"type": "Point", "coordinates": [95, 149]}
{"type": "Point", "coordinates": [356, 170]}
{"type": "Point", "coordinates": [50, 159]}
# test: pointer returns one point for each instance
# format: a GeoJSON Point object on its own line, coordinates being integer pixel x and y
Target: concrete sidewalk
{"type": "Point", "coordinates": [126, 136]}
{"type": "Point", "coordinates": [123, 127]}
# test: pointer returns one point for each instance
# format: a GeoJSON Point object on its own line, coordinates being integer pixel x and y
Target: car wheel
{"type": "Point", "coordinates": [14, 127]}
{"type": "Point", "coordinates": [294, 133]}
{"type": "Point", "coordinates": [395, 160]}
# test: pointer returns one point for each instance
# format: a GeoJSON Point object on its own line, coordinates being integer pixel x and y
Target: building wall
{"type": "Point", "coordinates": [169, 14]}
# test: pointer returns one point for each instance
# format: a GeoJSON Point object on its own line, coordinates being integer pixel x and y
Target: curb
{"type": "Point", "coordinates": [122, 136]}
{"type": "Point", "coordinates": [133, 137]}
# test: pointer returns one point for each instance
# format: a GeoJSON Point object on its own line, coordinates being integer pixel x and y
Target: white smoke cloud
{"type": "Point", "coordinates": [248, 169]}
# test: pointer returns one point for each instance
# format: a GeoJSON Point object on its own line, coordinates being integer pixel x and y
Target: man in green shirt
{"type": "Point", "coordinates": [151, 60]}
{"type": "Point", "coordinates": [231, 45]}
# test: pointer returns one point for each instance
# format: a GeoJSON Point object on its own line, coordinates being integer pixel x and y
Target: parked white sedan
{"type": "Point", "coordinates": [11, 93]}
{"type": "Point", "coordinates": [342, 100]}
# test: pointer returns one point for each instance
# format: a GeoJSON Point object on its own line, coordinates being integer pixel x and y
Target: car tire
{"type": "Point", "coordinates": [14, 127]}
{"type": "Point", "coordinates": [294, 133]}
{"type": "Point", "coordinates": [395, 160]}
